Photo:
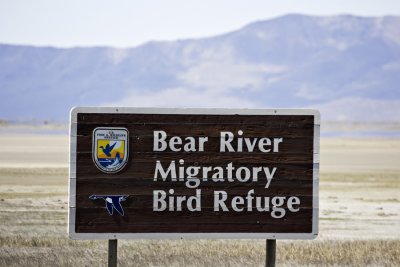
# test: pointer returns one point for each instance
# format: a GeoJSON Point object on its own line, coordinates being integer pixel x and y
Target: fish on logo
{"type": "Point", "coordinates": [110, 148]}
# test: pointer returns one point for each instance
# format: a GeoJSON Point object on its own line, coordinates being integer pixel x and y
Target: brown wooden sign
{"type": "Point", "coordinates": [193, 173]}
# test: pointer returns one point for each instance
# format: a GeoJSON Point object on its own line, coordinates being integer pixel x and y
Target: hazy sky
{"type": "Point", "coordinates": [128, 23]}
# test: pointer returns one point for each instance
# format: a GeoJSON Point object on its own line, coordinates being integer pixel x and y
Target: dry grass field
{"type": "Point", "coordinates": [359, 213]}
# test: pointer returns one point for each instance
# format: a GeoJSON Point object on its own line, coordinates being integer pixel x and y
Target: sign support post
{"type": "Point", "coordinates": [270, 253]}
{"type": "Point", "coordinates": [112, 252]}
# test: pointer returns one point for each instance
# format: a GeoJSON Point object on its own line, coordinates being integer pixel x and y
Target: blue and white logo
{"type": "Point", "coordinates": [113, 202]}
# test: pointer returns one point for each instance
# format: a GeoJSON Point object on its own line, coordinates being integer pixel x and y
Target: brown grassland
{"type": "Point", "coordinates": [359, 213]}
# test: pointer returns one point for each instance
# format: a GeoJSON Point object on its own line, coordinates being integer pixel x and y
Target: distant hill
{"type": "Point", "coordinates": [347, 66]}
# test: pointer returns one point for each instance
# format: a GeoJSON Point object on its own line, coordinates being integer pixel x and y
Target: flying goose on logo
{"type": "Point", "coordinates": [112, 202]}
{"type": "Point", "coordinates": [107, 150]}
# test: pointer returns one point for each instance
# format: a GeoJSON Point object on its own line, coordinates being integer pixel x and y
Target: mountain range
{"type": "Point", "coordinates": [346, 66]}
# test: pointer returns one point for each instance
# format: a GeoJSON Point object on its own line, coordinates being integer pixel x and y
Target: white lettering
{"type": "Point", "coordinates": [226, 142]}
{"type": "Point", "coordinates": [159, 203]}
{"type": "Point", "coordinates": [171, 171]}
{"type": "Point", "coordinates": [219, 200]}
{"type": "Point", "coordinates": [277, 141]}
{"type": "Point", "coordinates": [159, 143]}
{"type": "Point", "coordinates": [264, 142]}
{"type": "Point", "coordinates": [239, 175]}
{"type": "Point", "coordinates": [176, 140]}
{"type": "Point", "coordinates": [269, 175]}
{"type": "Point", "coordinates": [237, 201]}
{"type": "Point", "coordinates": [293, 201]}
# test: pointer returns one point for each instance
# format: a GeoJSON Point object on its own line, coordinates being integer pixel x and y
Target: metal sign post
{"type": "Point", "coordinates": [112, 252]}
{"type": "Point", "coordinates": [270, 253]}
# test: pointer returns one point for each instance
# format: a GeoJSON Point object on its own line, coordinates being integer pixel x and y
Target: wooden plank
{"type": "Point", "coordinates": [140, 221]}
{"type": "Point", "coordinates": [281, 122]}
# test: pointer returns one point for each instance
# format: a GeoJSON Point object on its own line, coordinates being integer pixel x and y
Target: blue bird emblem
{"type": "Point", "coordinates": [112, 202]}
{"type": "Point", "coordinates": [107, 150]}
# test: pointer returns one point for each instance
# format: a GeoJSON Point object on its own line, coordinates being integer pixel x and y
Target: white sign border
{"type": "Point", "coordinates": [189, 111]}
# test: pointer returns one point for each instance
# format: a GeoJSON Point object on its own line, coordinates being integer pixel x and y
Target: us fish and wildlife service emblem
{"type": "Point", "coordinates": [110, 149]}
